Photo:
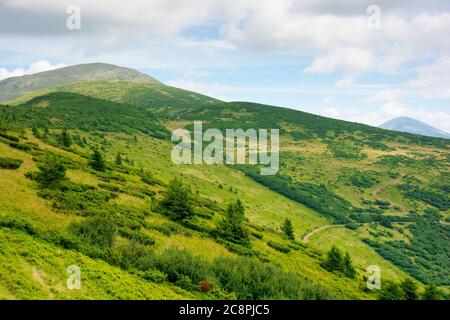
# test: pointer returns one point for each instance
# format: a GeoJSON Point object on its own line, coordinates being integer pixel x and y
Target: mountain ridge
{"type": "Point", "coordinates": [15, 87]}
{"type": "Point", "coordinates": [411, 125]}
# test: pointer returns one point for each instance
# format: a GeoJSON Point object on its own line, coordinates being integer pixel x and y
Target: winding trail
{"type": "Point", "coordinates": [375, 193]}
{"type": "Point", "coordinates": [306, 237]}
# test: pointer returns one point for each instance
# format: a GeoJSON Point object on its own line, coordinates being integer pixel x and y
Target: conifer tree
{"type": "Point", "coordinates": [349, 271]}
{"type": "Point", "coordinates": [287, 229]}
{"type": "Point", "coordinates": [232, 226]}
{"type": "Point", "coordinates": [177, 201]}
{"type": "Point", "coordinates": [98, 162]}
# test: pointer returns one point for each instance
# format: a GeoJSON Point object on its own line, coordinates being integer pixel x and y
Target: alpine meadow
{"type": "Point", "coordinates": [87, 180]}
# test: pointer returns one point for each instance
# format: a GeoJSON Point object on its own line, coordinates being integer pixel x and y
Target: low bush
{"type": "Point", "coordinates": [97, 231]}
{"type": "Point", "coordinates": [279, 247]}
{"type": "Point", "coordinates": [10, 163]}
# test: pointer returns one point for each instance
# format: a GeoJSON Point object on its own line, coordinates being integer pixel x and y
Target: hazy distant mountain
{"type": "Point", "coordinates": [17, 86]}
{"type": "Point", "coordinates": [410, 125]}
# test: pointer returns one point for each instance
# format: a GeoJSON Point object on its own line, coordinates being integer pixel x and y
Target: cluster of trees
{"type": "Point", "coordinates": [178, 204]}
{"type": "Point", "coordinates": [426, 255]}
{"type": "Point", "coordinates": [336, 261]}
{"type": "Point", "coordinates": [408, 290]}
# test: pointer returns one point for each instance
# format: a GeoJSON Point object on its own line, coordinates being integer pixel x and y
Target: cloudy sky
{"type": "Point", "coordinates": [334, 58]}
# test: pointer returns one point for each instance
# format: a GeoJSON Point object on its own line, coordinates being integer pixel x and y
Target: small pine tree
{"type": "Point", "coordinates": [51, 172]}
{"type": "Point", "coordinates": [409, 288]}
{"type": "Point", "coordinates": [66, 139]}
{"type": "Point", "coordinates": [118, 160]}
{"type": "Point", "coordinates": [349, 271]}
{"type": "Point", "coordinates": [98, 162]}
{"type": "Point", "coordinates": [431, 293]}
{"type": "Point", "coordinates": [176, 202]}
{"type": "Point", "coordinates": [334, 260]}
{"type": "Point", "coordinates": [287, 229]}
{"type": "Point", "coordinates": [232, 226]}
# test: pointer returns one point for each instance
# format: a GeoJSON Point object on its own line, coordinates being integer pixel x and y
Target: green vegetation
{"type": "Point", "coordinates": [287, 229]}
{"type": "Point", "coordinates": [335, 261]}
{"type": "Point", "coordinates": [106, 196]}
{"type": "Point", "coordinates": [98, 161]}
{"type": "Point", "coordinates": [95, 231]}
{"type": "Point", "coordinates": [176, 203]}
{"type": "Point", "coordinates": [232, 228]}
{"type": "Point", "coordinates": [10, 163]}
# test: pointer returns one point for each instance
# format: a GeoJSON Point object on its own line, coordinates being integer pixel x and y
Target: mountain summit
{"type": "Point", "coordinates": [14, 87]}
{"type": "Point", "coordinates": [410, 125]}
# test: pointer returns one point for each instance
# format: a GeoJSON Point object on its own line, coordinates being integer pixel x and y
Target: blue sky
{"type": "Point", "coordinates": [334, 58]}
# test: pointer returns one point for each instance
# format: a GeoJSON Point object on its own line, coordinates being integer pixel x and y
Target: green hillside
{"type": "Point", "coordinates": [141, 227]}
{"type": "Point", "coordinates": [17, 86]}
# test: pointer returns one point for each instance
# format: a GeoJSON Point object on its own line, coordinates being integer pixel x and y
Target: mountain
{"type": "Point", "coordinates": [17, 86]}
{"type": "Point", "coordinates": [381, 196]}
{"type": "Point", "coordinates": [410, 125]}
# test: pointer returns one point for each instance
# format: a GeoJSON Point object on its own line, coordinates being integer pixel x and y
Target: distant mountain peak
{"type": "Point", "coordinates": [14, 87]}
{"type": "Point", "coordinates": [411, 125]}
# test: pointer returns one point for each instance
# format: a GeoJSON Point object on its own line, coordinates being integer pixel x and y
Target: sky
{"type": "Point", "coordinates": [357, 60]}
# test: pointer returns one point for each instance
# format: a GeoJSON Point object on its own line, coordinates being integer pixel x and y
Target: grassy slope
{"type": "Point", "coordinates": [305, 162]}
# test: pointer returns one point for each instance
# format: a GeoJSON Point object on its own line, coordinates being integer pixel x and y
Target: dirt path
{"type": "Point", "coordinates": [376, 194]}
{"type": "Point", "coordinates": [306, 237]}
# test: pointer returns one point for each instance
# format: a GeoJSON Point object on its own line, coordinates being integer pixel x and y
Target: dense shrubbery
{"type": "Point", "coordinates": [426, 257]}
{"type": "Point", "coordinates": [97, 231]}
{"type": "Point", "coordinates": [279, 247]}
{"type": "Point", "coordinates": [363, 180]}
{"type": "Point", "coordinates": [341, 149]}
{"type": "Point", "coordinates": [317, 197]}
{"type": "Point", "coordinates": [408, 290]}
{"type": "Point", "coordinates": [10, 163]}
{"type": "Point", "coordinates": [75, 111]}
{"type": "Point", "coordinates": [247, 278]}
{"type": "Point", "coordinates": [438, 200]}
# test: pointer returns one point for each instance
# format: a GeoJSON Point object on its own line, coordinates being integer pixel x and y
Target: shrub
{"type": "Point", "coordinates": [137, 236]}
{"type": "Point", "coordinates": [20, 146]}
{"type": "Point", "coordinates": [180, 266]}
{"type": "Point", "coordinates": [96, 231]}
{"type": "Point", "coordinates": [279, 247]}
{"type": "Point", "coordinates": [9, 137]}
{"type": "Point", "coordinates": [10, 163]}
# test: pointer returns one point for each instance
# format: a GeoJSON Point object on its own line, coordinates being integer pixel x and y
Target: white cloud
{"type": "Point", "coordinates": [387, 95]}
{"type": "Point", "coordinates": [434, 79]}
{"type": "Point", "coordinates": [215, 90]}
{"type": "Point", "coordinates": [394, 109]}
{"type": "Point", "coordinates": [35, 67]}
{"type": "Point", "coordinates": [328, 99]}
{"type": "Point", "coordinates": [349, 60]}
